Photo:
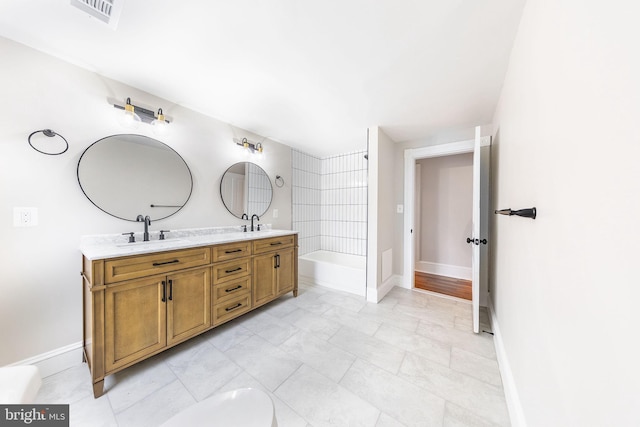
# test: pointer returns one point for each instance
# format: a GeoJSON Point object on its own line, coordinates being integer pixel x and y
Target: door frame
{"type": "Point", "coordinates": [410, 157]}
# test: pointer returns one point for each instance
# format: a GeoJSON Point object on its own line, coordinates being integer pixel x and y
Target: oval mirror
{"type": "Point", "coordinates": [130, 175]}
{"type": "Point", "coordinates": [245, 188]}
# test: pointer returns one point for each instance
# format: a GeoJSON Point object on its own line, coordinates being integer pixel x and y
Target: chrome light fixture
{"type": "Point", "coordinates": [134, 115]}
{"type": "Point", "coordinates": [252, 147]}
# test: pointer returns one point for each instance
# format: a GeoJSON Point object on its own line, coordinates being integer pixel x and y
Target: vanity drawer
{"type": "Point", "coordinates": [272, 244]}
{"type": "Point", "coordinates": [120, 269]}
{"type": "Point", "coordinates": [231, 270]}
{"type": "Point", "coordinates": [231, 251]}
{"type": "Point", "coordinates": [231, 308]}
{"type": "Point", "coordinates": [231, 289]}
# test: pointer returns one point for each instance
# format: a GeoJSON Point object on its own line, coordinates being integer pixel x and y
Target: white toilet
{"type": "Point", "coordinates": [19, 384]}
{"type": "Point", "coordinates": [246, 407]}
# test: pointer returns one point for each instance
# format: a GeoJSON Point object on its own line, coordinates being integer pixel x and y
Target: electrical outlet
{"type": "Point", "coordinates": [25, 217]}
{"type": "Point", "coordinates": [275, 213]}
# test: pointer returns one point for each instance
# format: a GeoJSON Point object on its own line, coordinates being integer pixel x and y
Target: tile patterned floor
{"type": "Point", "coordinates": [326, 358]}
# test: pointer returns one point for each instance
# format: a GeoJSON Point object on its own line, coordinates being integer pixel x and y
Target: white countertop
{"type": "Point", "coordinates": [105, 246]}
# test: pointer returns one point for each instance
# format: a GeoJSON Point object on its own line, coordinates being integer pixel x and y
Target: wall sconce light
{"type": "Point", "coordinates": [249, 146]}
{"type": "Point", "coordinates": [134, 115]}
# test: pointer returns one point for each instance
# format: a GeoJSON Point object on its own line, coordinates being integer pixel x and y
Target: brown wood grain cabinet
{"type": "Point", "coordinates": [140, 305]}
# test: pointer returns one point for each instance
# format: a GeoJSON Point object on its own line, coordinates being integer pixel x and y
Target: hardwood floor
{"type": "Point", "coordinates": [444, 285]}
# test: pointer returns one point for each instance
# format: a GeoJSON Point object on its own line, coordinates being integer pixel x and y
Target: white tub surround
{"type": "Point", "coordinates": [334, 270]}
{"type": "Point", "coordinates": [115, 245]}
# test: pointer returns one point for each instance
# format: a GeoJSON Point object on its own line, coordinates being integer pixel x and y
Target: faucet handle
{"type": "Point", "coordinates": [244, 228]}
{"type": "Point", "coordinates": [162, 233]}
{"type": "Point", "coordinates": [259, 225]}
{"type": "Point", "coordinates": [132, 239]}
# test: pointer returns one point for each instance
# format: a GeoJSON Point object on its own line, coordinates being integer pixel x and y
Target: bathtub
{"type": "Point", "coordinates": [335, 270]}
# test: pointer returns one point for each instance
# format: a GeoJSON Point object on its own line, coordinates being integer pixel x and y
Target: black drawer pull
{"type": "Point", "coordinates": [234, 270]}
{"type": "Point", "coordinates": [233, 289]}
{"type": "Point", "coordinates": [233, 251]}
{"type": "Point", "coordinates": [164, 291]}
{"type": "Point", "coordinates": [156, 264]}
{"type": "Point", "coordinates": [238, 305]}
{"type": "Point", "coordinates": [170, 290]}
{"type": "Point", "coordinates": [276, 243]}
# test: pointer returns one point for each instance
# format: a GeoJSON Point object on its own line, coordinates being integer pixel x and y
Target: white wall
{"type": "Point", "coordinates": [381, 213]}
{"type": "Point", "coordinates": [565, 286]}
{"type": "Point", "coordinates": [41, 305]}
{"type": "Point", "coordinates": [446, 201]}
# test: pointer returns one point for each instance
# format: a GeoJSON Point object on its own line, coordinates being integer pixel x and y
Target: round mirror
{"type": "Point", "coordinates": [245, 188]}
{"type": "Point", "coordinates": [131, 175]}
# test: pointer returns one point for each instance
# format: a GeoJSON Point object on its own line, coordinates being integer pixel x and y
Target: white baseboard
{"type": "Point", "coordinates": [516, 414]}
{"type": "Point", "coordinates": [455, 271]}
{"type": "Point", "coordinates": [55, 361]}
{"type": "Point", "coordinates": [376, 295]}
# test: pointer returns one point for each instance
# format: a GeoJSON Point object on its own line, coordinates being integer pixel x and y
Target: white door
{"type": "Point", "coordinates": [480, 220]}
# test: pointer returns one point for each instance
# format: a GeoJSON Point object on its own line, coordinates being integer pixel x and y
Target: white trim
{"type": "Point", "coordinates": [516, 414]}
{"type": "Point", "coordinates": [55, 361]}
{"type": "Point", "coordinates": [455, 271]}
{"type": "Point", "coordinates": [376, 295]}
{"type": "Point", "coordinates": [410, 157]}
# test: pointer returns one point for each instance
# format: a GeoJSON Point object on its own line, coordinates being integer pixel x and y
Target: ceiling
{"type": "Point", "coordinates": [312, 75]}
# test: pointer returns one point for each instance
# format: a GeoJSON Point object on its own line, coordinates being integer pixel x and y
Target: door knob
{"type": "Point", "coordinates": [476, 241]}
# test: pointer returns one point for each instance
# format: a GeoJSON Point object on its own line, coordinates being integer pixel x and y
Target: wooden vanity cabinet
{"type": "Point", "coordinates": [140, 305]}
{"type": "Point", "coordinates": [274, 268]}
{"type": "Point", "coordinates": [144, 316]}
{"type": "Point", "coordinates": [231, 295]}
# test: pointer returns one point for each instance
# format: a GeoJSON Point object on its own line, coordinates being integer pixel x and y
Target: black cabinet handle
{"type": "Point", "coordinates": [155, 264]}
{"type": "Point", "coordinates": [233, 308]}
{"type": "Point", "coordinates": [235, 269]}
{"type": "Point", "coordinates": [233, 289]}
{"type": "Point", "coordinates": [277, 260]}
{"type": "Point", "coordinates": [276, 243]}
{"type": "Point", "coordinates": [164, 291]}
{"type": "Point", "coordinates": [233, 251]}
{"type": "Point", "coordinates": [170, 290]}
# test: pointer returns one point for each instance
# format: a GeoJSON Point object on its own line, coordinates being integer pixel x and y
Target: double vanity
{"type": "Point", "coordinates": [140, 299]}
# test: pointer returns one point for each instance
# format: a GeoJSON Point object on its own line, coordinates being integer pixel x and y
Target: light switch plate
{"type": "Point", "coordinates": [400, 209]}
{"type": "Point", "coordinates": [275, 213]}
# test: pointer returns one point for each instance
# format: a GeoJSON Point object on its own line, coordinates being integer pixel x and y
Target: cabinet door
{"type": "Point", "coordinates": [135, 321]}
{"type": "Point", "coordinates": [264, 279]}
{"type": "Point", "coordinates": [188, 304]}
{"type": "Point", "coordinates": [285, 280]}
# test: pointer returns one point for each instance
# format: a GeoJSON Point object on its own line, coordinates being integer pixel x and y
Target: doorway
{"type": "Point", "coordinates": [480, 146]}
{"type": "Point", "coordinates": [443, 207]}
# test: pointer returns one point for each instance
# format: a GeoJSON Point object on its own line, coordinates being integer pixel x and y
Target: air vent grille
{"type": "Point", "coordinates": [107, 11]}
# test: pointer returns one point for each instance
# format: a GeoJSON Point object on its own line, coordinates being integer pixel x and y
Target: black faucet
{"type": "Point", "coordinates": [256, 217]}
{"type": "Point", "coordinates": [147, 223]}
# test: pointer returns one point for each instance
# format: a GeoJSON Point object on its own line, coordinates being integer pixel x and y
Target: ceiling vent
{"type": "Point", "coordinates": [106, 11]}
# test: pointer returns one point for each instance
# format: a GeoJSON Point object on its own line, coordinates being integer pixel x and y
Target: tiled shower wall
{"type": "Point", "coordinates": [330, 202]}
{"type": "Point", "coordinates": [307, 201]}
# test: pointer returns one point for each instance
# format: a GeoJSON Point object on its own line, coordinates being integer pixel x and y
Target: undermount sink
{"type": "Point", "coordinates": [150, 243]}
